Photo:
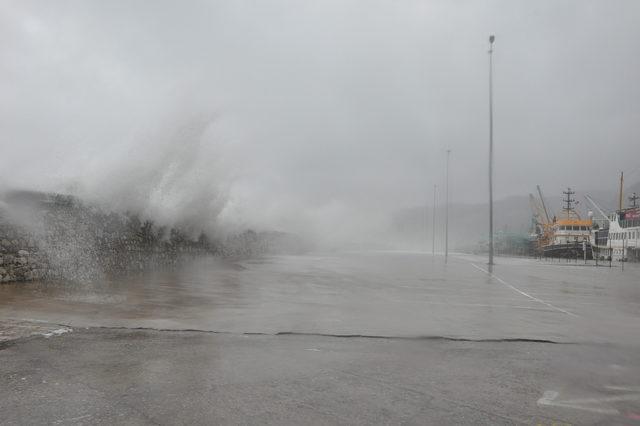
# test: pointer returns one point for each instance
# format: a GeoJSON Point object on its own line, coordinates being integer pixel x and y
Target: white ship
{"type": "Point", "coordinates": [619, 237]}
{"type": "Point", "coordinates": [624, 231]}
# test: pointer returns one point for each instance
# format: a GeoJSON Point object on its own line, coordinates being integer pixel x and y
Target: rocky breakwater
{"type": "Point", "coordinates": [52, 236]}
{"type": "Point", "coordinates": [20, 257]}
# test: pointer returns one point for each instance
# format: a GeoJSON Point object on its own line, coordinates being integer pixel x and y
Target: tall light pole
{"type": "Point", "coordinates": [446, 214]}
{"type": "Point", "coordinates": [426, 224]}
{"type": "Point", "coordinates": [433, 224]}
{"type": "Point", "coordinates": [491, 40]}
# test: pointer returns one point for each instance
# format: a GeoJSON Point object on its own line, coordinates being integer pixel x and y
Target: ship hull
{"type": "Point", "coordinates": [569, 251]}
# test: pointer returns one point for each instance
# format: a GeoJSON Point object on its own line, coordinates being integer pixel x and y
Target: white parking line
{"type": "Point", "coordinates": [501, 281]}
{"type": "Point", "coordinates": [596, 405]}
{"type": "Point", "coordinates": [549, 398]}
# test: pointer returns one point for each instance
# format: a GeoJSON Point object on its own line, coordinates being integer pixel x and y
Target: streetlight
{"type": "Point", "coordinates": [433, 226]}
{"type": "Point", "coordinates": [446, 213]}
{"type": "Point", "coordinates": [491, 40]}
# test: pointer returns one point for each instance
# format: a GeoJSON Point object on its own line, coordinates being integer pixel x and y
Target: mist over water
{"type": "Point", "coordinates": [320, 119]}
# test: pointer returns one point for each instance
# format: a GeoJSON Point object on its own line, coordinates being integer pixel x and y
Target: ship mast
{"type": "Point", "coordinates": [568, 202]}
{"type": "Point", "coordinates": [634, 200]}
{"type": "Point", "coordinates": [620, 195]}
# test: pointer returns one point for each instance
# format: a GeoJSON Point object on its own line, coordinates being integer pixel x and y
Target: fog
{"type": "Point", "coordinates": [319, 118]}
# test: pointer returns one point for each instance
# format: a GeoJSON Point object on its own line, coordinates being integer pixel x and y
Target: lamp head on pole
{"type": "Point", "coordinates": [492, 38]}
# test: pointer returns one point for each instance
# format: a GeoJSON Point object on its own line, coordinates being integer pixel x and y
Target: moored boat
{"type": "Point", "coordinates": [568, 236]}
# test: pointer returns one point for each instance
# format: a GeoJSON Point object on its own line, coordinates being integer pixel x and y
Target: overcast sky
{"type": "Point", "coordinates": [290, 113]}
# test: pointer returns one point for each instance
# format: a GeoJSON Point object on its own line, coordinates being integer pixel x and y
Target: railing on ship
{"type": "Point", "coordinates": [629, 223]}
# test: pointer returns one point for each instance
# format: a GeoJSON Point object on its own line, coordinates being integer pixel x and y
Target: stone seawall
{"type": "Point", "coordinates": [64, 239]}
{"type": "Point", "coordinates": [45, 236]}
{"type": "Point", "coordinates": [20, 257]}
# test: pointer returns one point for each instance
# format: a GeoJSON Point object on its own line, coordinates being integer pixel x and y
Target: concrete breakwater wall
{"type": "Point", "coordinates": [45, 236]}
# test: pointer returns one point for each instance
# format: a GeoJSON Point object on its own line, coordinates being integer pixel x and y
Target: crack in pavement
{"type": "Point", "coordinates": [343, 336]}
{"type": "Point", "coordinates": [7, 343]}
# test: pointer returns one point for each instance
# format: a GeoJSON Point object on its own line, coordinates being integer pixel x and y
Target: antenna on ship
{"type": "Point", "coordinates": [569, 209]}
{"type": "Point", "coordinates": [634, 198]}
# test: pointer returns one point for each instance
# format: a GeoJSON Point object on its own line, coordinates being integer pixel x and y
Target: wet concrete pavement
{"type": "Point", "coordinates": [387, 294]}
{"type": "Point", "coordinates": [412, 367]}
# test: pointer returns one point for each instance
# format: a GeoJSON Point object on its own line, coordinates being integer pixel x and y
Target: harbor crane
{"type": "Point", "coordinates": [544, 206]}
{"type": "Point", "coordinates": [538, 212]}
{"type": "Point", "coordinates": [597, 207]}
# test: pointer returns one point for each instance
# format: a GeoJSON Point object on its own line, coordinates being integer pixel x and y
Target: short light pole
{"type": "Point", "coordinates": [491, 40]}
{"type": "Point", "coordinates": [433, 224]}
{"type": "Point", "coordinates": [446, 213]}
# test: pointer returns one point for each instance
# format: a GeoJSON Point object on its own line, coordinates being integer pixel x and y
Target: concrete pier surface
{"type": "Point", "coordinates": [344, 338]}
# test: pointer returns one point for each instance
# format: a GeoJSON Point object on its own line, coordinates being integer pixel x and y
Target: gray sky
{"type": "Point", "coordinates": [313, 114]}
